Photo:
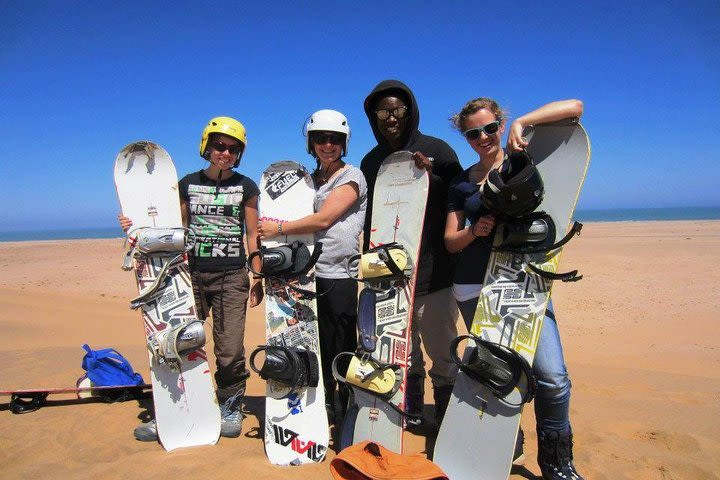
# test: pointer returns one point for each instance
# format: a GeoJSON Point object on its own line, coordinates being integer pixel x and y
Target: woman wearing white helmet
{"type": "Point", "coordinates": [209, 201]}
{"type": "Point", "coordinates": [340, 203]}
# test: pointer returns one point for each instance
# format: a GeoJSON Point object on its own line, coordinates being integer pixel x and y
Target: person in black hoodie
{"type": "Point", "coordinates": [394, 117]}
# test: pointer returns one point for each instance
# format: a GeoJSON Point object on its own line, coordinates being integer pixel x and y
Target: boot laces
{"type": "Point", "coordinates": [231, 407]}
{"type": "Point", "coordinates": [557, 452]}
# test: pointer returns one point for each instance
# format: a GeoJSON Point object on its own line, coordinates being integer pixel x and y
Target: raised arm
{"type": "Point", "coordinates": [551, 112]}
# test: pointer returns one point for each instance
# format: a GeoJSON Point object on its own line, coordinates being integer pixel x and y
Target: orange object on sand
{"type": "Point", "coordinates": [371, 461]}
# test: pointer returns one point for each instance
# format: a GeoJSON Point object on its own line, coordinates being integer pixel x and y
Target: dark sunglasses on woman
{"type": "Point", "coordinates": [321, 138]}
{"type": "Point", "coordinates": [220, 147]}
{"type": "Point", "coordinates": [489, 129]}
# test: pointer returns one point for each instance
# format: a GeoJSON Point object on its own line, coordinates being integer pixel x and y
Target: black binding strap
{"type": "Point", "coordinates": [571, 276]}
{"type": "Point", "coordinates": [291, 366]}
{"type": "Point", "coordinates": [291, 272]}
{"type": "Point", "coordinates": [384, 254]}
{"type": "Point", "coordinates": [27, 402]}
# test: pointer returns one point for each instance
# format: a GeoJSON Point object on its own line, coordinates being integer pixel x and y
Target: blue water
{"type": "Point", "coordinates": [609, 215]}
{"type": "Point", "coordinates": [648, 214]}
{"type": "Point", "coordinates": [67, 234]}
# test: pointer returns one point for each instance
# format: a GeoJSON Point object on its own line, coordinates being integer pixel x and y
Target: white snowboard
{"type": "Point", "coordinates": [477, 436]}
{"type": "Point", "coordinates": [399, 202]}
{"type": "Point", "coordinates": [186, 408]}
{"type": "Point", "coordinates": [296, 428]}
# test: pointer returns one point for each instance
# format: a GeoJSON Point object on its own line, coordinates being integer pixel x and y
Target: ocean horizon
{"type": "Point", "coordinates": [585, 215]}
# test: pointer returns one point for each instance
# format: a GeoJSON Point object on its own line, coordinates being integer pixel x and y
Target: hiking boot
{"type": "Point", "coordinates": [230, 415]}
{"type": "Point", "coordinates": [555, 456]}
{"type": "Point", "coordinates": [147, 432]}
{"type": "Point", "coordinates": [519, 454]}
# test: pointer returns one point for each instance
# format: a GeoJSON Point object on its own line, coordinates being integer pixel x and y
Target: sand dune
{"type": "Point", "coordinates": [640, 336]}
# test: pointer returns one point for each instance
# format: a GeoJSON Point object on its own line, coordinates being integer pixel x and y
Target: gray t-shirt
{"type": "Point", "coordinates": [341, 240]}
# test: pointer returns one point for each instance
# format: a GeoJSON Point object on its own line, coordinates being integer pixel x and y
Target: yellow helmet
{"type": "Point", "coordinates": [227, 126]}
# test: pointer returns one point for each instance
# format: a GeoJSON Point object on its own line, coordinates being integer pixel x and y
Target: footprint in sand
{"type": "Point", "coordinates": [673, 442]}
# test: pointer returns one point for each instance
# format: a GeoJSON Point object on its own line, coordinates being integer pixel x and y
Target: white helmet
{"type": "Point", "coordinates": [327, 121]}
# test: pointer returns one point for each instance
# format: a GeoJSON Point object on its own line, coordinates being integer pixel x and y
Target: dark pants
{"type": "Point", "coordinates": [226, 294]}
{"type": "Point", "coordinates": [337, 322]}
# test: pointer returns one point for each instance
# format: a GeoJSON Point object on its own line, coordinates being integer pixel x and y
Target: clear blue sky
{"type": "Point", "coordinates": [79, 80]}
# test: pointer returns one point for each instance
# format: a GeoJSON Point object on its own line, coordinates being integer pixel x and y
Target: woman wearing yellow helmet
{"type": "Point", "coordinates": [220, 206]}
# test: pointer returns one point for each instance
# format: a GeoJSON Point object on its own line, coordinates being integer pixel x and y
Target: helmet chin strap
{"type": "Point", "coordinates": [324, 172]}
{"type": "Point", "coordinates": [219, 176]}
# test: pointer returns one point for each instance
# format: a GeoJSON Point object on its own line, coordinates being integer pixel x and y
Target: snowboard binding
{"type": "Point", "coordinates": [533, 234]}
{"type": "Point", "coordinates": [27, 402]}
{"type": "Point", "coordinates": [383, 264]}
{"type": "Point", "coordinates": [285, 263]}
{"type": "Point", "coordinates": [292, 367]}
{"type": "Point", "coordinates": [170, 345]}
{"type": "Point", "coordinates": [381, 379]}
{"type": "Point", "coordinates": [145, 241]}
{"type": "Point", "coordinates": [496, 366]}
{"type": "Point", "coordinates": [162, 242]}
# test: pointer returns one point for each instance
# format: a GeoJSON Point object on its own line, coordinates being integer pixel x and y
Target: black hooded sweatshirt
{"type": "Point", "coordinates": [435, 266]}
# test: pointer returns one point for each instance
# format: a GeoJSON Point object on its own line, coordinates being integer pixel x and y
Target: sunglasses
{"type": "Point", "coordinates": [395, 112]}
{"type": "Point", "coordinates": [489, 129]}
{"type": "Point", "coordinates": [321, 138]}
{"type": "Point", "coordinates": [220, 147]}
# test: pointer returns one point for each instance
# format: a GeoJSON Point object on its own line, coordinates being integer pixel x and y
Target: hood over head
{"type": "Point", "coordinates": [394, 88]}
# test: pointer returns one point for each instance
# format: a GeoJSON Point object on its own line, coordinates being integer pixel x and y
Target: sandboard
{"type": "Point", "coordinates": [186, 408]}
{"type": "Point", "coordinates": [399, 202]}
{"type": "Point", "coordinates": [296, 424]}
{"type": "Point", "coordinates": [32, 399]}
{"type": "Point", "coordinates": [477, 436]}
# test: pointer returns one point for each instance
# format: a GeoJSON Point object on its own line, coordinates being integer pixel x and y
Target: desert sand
{"type": "Point", "coordinates": [640, 335]}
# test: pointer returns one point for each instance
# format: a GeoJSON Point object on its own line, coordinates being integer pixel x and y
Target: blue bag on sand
{"type": "Point", "coordinates": [107, 368]}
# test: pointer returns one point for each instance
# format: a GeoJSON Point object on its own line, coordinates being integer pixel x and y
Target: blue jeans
{"type": "Point", "coordinates": [552, 401]}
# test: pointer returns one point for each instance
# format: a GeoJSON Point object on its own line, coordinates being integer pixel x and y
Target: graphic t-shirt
{"type": "Point", "coordinates": [217, 217]}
